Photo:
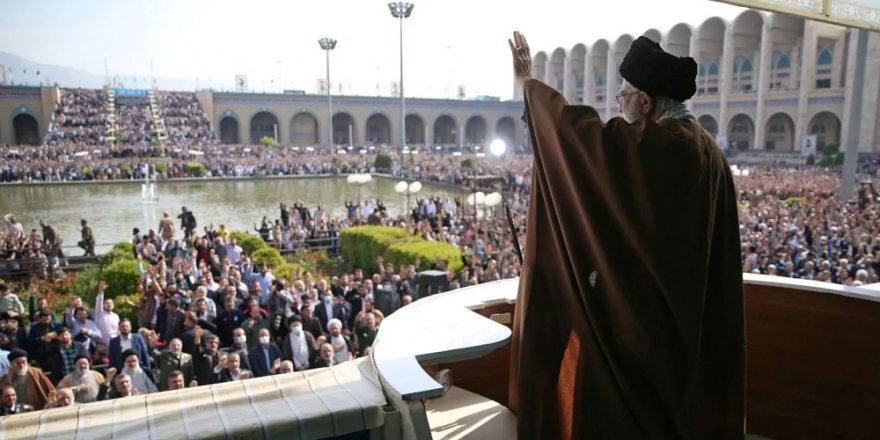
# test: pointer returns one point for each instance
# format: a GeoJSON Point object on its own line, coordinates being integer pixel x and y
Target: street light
{"type": "Point", "coordinates": [401, 10]}
{"type": "Point", "coordinates": [329, 44]}
{"type": "Point", "coordinates": [498, 147]}
{"type": "Point", "coordinates": [410, 189]}
{"type": "Point", "coordinates": [360, 180]}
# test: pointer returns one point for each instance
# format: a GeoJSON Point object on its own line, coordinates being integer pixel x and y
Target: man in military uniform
{"type": "Point", "coordinates": [88, 239]}
{"type": "Point", "coordinates": [52, 240]}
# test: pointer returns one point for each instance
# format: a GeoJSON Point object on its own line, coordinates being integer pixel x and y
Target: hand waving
{"type": "Point", "coordinates": [522, 57]}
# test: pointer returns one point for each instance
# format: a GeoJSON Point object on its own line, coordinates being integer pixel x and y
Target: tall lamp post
{"type": "Point", "coordinates": [329, 44]}
{"type": "Point", "coordinates": [409, 189]}
{"type": "Point", "coordinates": [401, 10]}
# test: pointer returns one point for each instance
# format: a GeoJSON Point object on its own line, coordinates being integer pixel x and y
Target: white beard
{"type": "Point", "coordinates": [23, 371]}
{"type": "Point", "coordinates": [133, 372]}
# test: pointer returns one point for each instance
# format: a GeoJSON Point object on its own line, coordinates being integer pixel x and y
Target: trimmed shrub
{"type": "Point", "coordinates": [382, 162]}
{"type": "Point", "coordinates": [121, 251]}
{"type": "Point", "coordinates": [86, 285]}
{"type": "Point", "coordinates": [287, 271]}
{"type": "Point", "coordinates": [425, 252]}
{"type": "Point", "coordinates": [162, 168]}
{"type": "Point", "coordinates": [249, 243]}
{"type": "Point", "coordinates": [467, 163]}
{"type": "Point", "coordinates": [194, 168]}
{"type": "Point", "coordinates": [121, 277]}
{"type": "Point", "coordinates": [125, 170]}
{"type": "Point", "coordinates": [361, 244]}
{"type": "Point", "coordinates": [268, 141]}
{"type": "Point", "coordinates": [268, 256]}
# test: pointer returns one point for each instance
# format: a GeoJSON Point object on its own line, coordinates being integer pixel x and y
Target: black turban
{"type": "Point", "coordinates": [16, 353]}
{"type": "Point", "coordinates": [127, 353]}
{"type": "Point", "coordinates": [659, 73]}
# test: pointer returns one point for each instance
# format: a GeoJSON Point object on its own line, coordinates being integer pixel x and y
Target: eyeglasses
{"type": "Point", "coordinates": [620, 96]}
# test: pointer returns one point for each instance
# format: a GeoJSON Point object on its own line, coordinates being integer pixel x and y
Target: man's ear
{"type": "Point", "coordinates": [647, 103]}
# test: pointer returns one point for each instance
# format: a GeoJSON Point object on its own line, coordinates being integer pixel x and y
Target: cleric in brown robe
{"type": "Point", "coordinates": [630, 319]}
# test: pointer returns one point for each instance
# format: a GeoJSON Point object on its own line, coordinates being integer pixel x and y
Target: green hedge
{"type": "Point", "coordinates": [268, 256]}
{"type": "Point", "coordinates": [249, 243]}
{"type": "Point", "coordinates": [382, 162]}
{"type": "Point", "coordinates": [194, 168]}
{"type": "Point", "coordinates": [120, 251]}
{"type": "Point", "coordinates": [426, 252]}
{"type": "Point", "coordinates": [119, 270]}
{"type": "Point", "coordinates": [361, 244]}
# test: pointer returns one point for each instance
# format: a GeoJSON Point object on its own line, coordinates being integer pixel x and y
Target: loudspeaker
{"type": "Point", "coordinates": [431, 282]}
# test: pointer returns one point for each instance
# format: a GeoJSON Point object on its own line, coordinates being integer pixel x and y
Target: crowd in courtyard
{"type": "Point", "coordinates": [209, 314]}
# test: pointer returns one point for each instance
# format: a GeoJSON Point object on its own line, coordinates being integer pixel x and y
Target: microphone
{"type": "Point", "coordinates": [513, 232]}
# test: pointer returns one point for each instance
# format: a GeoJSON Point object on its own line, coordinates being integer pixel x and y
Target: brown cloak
{"type": "Point", "coordinates": [630, 313]}
{"type": "Point", "coordinates": [38, 387]}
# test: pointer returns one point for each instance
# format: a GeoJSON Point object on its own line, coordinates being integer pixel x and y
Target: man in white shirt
{"type": "Point", "coordinates": [85, 330]}
{"type": "Point", "coordinates": [105, 317]}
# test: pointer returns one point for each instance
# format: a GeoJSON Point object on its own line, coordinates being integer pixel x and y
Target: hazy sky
{"type": "Point", "coordinates": [446, 42]}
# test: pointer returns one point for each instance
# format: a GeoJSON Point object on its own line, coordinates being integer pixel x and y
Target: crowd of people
{"type": "Point", "coordinates": [30, 253]}
{"type": "Point", "coordinates": [184, 121]}
{"type": "Point", "coordinates": [80, 118]}
{"type": "Point", "coordinates": [28, 164]}
{"type": "Point", "coordinates": [134, 124]}
{"type": "Point", "coordinates": [209, 314]}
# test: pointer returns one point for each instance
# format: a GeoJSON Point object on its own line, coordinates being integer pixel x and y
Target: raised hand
{"type": "Point", "coordinates": [522, 58]}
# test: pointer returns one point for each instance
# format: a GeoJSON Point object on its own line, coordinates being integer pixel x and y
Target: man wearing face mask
{"type": "Point", "coordinates": [266, 356]}
{"type": "Point", "coordinates": [300, 346]}
{"type": "Point", "coordinates": [240, 346]}
{"type": "Point", "coordinates": [633, 226]}
{"type": "Point", "coordinates": [324, 310]}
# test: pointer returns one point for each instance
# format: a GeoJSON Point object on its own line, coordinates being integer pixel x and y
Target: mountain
{"type": "Point", "coordinates": [24, 71]}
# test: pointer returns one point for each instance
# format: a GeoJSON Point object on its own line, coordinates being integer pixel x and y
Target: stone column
{"type": "Point", "coordinates": [429, 134]}
{"type": "Point", "coordinates": [610, 84]}
{"type": "Point", "coordinates": [589, 81]}
{"type": "Point", "coordinates": [695, 54]}
{"type": "Point", "coordinates": [808, 83]}
{"type": "Point", "coordinates": [852, 125]}
{"type": "Point", "coordinates": [568, 87]}
{"type": "Point", "coordinates": [550, 73]}
{"type": "Point", "coordinates": [727, 55]}
{"type": "Point", "coordinates": [764, 66]}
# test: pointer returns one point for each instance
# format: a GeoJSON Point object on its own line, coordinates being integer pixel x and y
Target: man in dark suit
{"type": "Point", "coordinates": [309, 322]}
{"type": "Point", "coordinates": [128, 340]}
{"type": "Point", "coordinates": [228, 320]}
{"type": "Point", "coordinates": [173, 321]}
{"type": "Point", "coordinates": [205, 358]}
{"type": "Point", "coordinates": [266, 356]}
{"type": "Point", "coordinates": [233, 371]}
{"type": "Point", "coordinates": [323, 310]}
{"type": "Point", "coordinates": [190, 324]}
{"type": "Point", "coordinates": [9, 402]}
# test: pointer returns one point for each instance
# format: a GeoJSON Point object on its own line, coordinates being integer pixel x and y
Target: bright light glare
{"type": "Point", "coordinates": [498, 147]}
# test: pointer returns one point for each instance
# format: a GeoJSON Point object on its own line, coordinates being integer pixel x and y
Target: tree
{"type": "Point", "coordinates": [268, 141]}
{"type": "Point", "coordinates": [383, 162]}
